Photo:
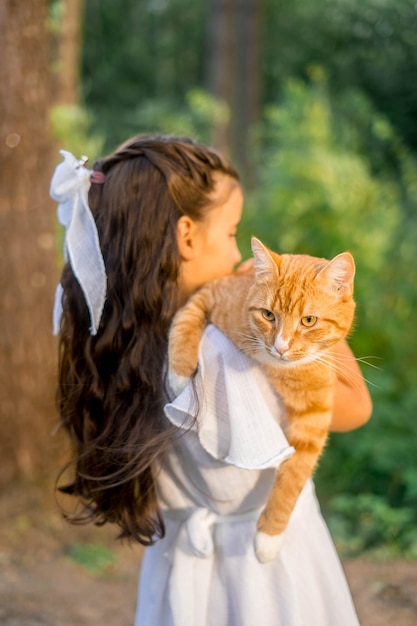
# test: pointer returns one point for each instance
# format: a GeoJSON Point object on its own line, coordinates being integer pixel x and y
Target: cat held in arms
{"type": "Point", "coordinates": [287, 315]}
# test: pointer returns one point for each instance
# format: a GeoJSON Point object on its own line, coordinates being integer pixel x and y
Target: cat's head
{"type": "Point", "coordinates": [300, 305]}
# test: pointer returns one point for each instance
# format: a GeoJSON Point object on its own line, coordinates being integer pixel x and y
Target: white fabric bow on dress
{"type": "Point", "coordinates": [195, 538]}
{"type": "Point", "coordinates": [69, 187]}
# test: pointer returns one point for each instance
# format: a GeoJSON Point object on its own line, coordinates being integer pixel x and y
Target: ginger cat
{"type": "Point", "coordinates": [286, 315]}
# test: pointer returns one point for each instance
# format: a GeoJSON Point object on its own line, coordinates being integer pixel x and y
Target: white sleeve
{"type": "Point", "coordinates": [232, 407]}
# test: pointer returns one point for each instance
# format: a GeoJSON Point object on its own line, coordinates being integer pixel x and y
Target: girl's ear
{"type": "Point", "coordinates": [186, 237]}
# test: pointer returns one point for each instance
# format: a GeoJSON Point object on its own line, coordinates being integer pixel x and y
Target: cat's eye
{"type": "Point", "coordinates": [268, 315]}
{"type": "Point", "coordinates": [309, 320]}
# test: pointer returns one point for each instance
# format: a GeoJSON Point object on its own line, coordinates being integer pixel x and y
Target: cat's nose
{"type": "Point", "coordinates": [281, 346]}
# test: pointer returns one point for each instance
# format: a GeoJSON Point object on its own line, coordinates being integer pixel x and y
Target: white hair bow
{"type": "Point", "coordinates": [69, 187]}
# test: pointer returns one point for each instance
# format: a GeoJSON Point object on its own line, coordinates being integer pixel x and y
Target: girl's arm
{"type": "Point", "coordinates": [353, 404]}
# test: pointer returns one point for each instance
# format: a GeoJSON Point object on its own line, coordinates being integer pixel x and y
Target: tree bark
{"type": "Point", "coordinates": [67, 83]}
{"type": "Point", "coordinates": [27, 244]}
{"type": "Point", "coordinates": [233, 67]}
{"type": "Point", "coordinates": [247, 109]}
{"type": "Point", "coordinates": [220, 65]}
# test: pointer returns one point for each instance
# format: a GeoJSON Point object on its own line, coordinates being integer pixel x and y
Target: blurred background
{"type": "Point", "coordinates": [316, 104]}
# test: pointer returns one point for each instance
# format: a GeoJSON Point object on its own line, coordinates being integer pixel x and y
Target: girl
{"type": "Point", "coordinates": [186, 478]}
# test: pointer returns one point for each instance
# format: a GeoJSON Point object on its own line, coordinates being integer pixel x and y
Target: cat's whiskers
{"type": "Point", "coordinates": [345, 369]}
{"type": "Point", "coordinates": [260, 351]}
{"type": "Point", "coordinates": [251, 343]}
{"type": "Point", "coordinates": [330, 359]}
{"type": "Point", "coordinates": [362, 359]}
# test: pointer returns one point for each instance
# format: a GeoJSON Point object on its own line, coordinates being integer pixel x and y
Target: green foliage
{"type": "Point", "coordinates": [316, 191]}
{"type": "Point", "coordinates": [375, 466]}
{"type": "Point", "coordinates": [365, 523]}
{"type": "Point", "coordinates": [71, 128]}
{"type": "Point", "coordinates": [199, 113]}
{"type": "Point", "coordinates": [370, 45]}
{"type": "Point", "coordinates": [143, 52]}
{"type": "Point", "coordinates": [194, 117]}
{"type": "Point", "coordinates": [91, 556]}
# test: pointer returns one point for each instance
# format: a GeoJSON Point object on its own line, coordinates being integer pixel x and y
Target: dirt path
{"type": "Point", "coordinates": [54, 574]}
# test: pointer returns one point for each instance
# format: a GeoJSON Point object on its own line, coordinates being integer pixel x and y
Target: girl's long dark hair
{"type": "Point", "coordinates": [111, 386]}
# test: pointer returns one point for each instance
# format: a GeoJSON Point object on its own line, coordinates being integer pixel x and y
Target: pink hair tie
{"type": "Point", "coordinates": [97, 177]}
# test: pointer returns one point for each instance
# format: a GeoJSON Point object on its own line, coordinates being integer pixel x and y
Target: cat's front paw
{"type": "Point", "coordinates": [267, 547]}
{"type": "Point", "coordinates": [176, 382]}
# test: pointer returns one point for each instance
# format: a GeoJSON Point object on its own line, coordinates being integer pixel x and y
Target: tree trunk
{"type": "Point", "coordinates": [247, 104]}
{"type": "Point", "coordinates": [27, 244]}
{"type": "Point", "coordinates": [233, 59]}
{"type": "Point", "coordinates": [220, 65]}
{"type": "Point", "coordinates": [67, 83]}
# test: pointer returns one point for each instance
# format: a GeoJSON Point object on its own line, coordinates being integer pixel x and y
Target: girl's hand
{"type": "Point", "coordinates": [246, 267]}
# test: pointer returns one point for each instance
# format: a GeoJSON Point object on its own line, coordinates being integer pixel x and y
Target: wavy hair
{"type": "Point", "coordinates": [111, 386]}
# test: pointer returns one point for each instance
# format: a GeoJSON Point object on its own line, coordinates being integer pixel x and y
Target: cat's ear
{"type": "Point", "coordinates": [338, 274]}
{"type": "Point", "coordinates": [265, 265]}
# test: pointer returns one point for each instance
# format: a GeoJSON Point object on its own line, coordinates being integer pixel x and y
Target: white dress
{"type": "Point", "coordinates": [212, 486]}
